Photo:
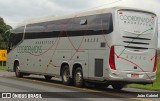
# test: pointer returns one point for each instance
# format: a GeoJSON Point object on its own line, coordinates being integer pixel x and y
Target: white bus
{"type": "Point", "coordinates": [113, 46]}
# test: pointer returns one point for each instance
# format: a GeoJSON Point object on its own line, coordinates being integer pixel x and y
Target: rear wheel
{"type": "Point", "coordinates": [78, 77]}
{"type": "Point", "coordinates": [48, 77]}
{"type": "Point", "coordinates": [118, 86]}
{"type": "Point", "coordinates": [66, 75]}
{"type": "Point", "coordinates": [17, 71]}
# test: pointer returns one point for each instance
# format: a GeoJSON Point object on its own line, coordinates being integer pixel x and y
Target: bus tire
{"type": "Point", "coordinates": [48, 78]}
{"type": "Point", "coordinates": [117, 86]}
{"type": "Point", "coordinates": [78, 77]}
{"type": "Point", "coordinates": [17, 71]}
{"type": "Point", "coordinates": [66, 75]}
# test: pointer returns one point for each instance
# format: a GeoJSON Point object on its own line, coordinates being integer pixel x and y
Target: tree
{"type": "Point", "coordinates": [4, 33]}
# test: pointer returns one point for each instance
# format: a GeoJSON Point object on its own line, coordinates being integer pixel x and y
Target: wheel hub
{"type": "Point", "coordinates": [66, 75]}
{"type": "Point", "coordinates": [17, 71]}
{"type": "Point", "coordinates": [78, 77]}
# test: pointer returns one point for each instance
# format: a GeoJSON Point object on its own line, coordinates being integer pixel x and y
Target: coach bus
{"type": "Point", "coordinates": [113, 46]}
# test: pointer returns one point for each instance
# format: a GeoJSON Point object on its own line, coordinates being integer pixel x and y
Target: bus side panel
{"type": "Point", "coordinates": [10, 61]}
{"type": "Point", "coordinates": [97, 60]}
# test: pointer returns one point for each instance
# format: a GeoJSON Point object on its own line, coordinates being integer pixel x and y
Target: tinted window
{"type": "Point", "coordinates": [16, 37]}
{"type": "Point", "coordinates": [34, 28]}
{"type": "Point", "coordinates": [93, 24]}
{"type": "Point", "coordinates": [18, 30]}
{"type": "Point", "coordinates": [35, 31]}
{"type": "Point", "coordinates": [59, 25]}
{"type": "Point", "coordinates": [104, 22]}
{"type": "Point", "coordinates": [49, 29]}
{"type": "Point", "coordinates": [75, 24]}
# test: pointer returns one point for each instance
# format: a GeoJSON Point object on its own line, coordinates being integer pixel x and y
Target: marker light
{"type": "Point", "coordinates": [120, 12]}
{"type": "Point", "coordinates": [112, 58]}
{"type": "Point", "coordinates": [155, 62]}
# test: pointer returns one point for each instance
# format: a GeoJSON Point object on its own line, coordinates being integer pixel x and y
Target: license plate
{"type": "Point", "coordinates": [134, 75]}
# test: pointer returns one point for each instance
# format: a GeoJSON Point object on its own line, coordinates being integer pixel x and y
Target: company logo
{"type": "Point", "coordinates": [29, 49]}
{"type": "Point", "coordinates": [137, 19]}
{"type": "Point", "coordinates": [21, 95]}
{"type": "Point", "coordinates": [6, 95]}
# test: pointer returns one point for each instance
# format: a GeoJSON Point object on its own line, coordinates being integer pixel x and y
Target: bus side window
{"type": "Point", "coordinates": [105, 22]}
{"type": "Point", "coordinates": [16, 37]}
{"type": "Point", "coordinates": [10, 42]}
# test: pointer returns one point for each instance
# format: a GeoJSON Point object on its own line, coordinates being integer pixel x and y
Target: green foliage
{"type": "Point", "coordinates": [4, 34]}
{"type": "Point", "coordinates": [2, 67]}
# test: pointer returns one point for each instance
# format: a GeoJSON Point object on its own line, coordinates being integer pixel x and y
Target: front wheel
{"type": "Point", "coordinates": [78, 77]}
{"type": "Point", "coordinates": [17, 72]}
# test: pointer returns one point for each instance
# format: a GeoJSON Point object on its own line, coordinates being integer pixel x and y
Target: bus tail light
{"type": "Point", "coordinates": [155, 62]}
{"type": "Point", "coordinates": [112, 58]}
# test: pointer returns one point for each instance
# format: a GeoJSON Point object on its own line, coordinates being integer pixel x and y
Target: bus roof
{"type": "Point", "coordinates": [82, 13]}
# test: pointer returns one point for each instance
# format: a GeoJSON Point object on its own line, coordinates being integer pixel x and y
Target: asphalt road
{"type": "Point", "coordinates": [60, 92]}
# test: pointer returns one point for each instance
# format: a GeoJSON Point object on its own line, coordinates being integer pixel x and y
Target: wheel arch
{"type": "Point", "coordinates": [62, 66]}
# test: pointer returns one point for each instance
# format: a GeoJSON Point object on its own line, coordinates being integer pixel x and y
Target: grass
{"type": "Point", "coordinates": [3, 68]}
{"type": "Point", "coordinates": [156, 84]}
